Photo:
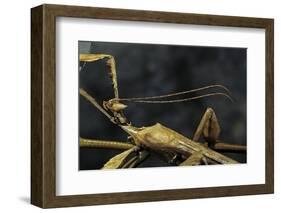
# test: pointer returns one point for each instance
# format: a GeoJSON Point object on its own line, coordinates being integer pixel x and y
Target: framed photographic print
{"type": "Point", "coordinates": [135, 106]}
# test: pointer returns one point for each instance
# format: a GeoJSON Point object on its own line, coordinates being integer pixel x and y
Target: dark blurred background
{"type": "Point", "coordinates": [148, 70]}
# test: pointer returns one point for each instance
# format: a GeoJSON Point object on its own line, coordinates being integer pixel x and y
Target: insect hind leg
{"type": "Point", "coordinates": [208, 127]}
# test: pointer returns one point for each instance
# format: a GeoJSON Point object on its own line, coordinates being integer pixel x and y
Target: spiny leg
{"type": "Point", "coordinates": [110, 63]}
{"type": "Point", "coordinates": [208, 127]}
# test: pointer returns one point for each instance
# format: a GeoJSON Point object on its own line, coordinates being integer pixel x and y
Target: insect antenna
{"type": "Point", "coordinates": [153, 99]}
{"type": "Point", "coordinates": [182, 99]}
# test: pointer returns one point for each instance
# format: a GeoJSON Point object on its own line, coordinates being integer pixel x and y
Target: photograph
{"type": "Point", "coordinates": [132, 105]}
{"type": "Point", "coordinates": [145, 105]}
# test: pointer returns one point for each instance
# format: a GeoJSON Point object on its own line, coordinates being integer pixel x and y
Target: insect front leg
{"type": "Point", "coordinates": [110, 61]}
{"type": "Point", "coordinates": [114, 106]}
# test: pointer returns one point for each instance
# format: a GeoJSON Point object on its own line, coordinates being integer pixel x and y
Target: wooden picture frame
{"type": "Point", "coordinates": [43, 105]}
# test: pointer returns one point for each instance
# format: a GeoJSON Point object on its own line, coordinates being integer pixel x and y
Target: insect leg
{"type": "Point", "coordinates": [110, 61]}
{"type": "Point", "coordinates": [136, 160]}
{"type": "Point", "coordinates": [111, 68]}
{"type": "Point", "coordinates": [194, 160]}
{"type": "Point", "coordinates": [118, 160]}
{"type": "Point", "coordinates": [128, 159]}
{"type": "Point", "coordinates": [208, 127]}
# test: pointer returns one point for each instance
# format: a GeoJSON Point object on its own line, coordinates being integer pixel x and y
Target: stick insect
{"type": "Point", "coordinates": [173, 146]}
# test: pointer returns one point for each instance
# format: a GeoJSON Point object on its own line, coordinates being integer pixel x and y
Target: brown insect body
{"type": "Point", "coordinates": [159, 137]}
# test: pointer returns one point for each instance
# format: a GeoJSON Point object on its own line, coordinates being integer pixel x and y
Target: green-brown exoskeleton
{"type": "Point", "coordinates": [175, 147]}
